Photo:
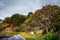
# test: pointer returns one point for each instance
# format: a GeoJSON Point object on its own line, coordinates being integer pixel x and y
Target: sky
{"type": "Point", "coordinates": [9, 7]}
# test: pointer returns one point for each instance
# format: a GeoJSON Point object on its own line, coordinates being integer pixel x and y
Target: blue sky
{"type": "Point", "coordinates": [9, 7]}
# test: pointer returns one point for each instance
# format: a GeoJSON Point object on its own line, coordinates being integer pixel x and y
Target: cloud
{"type": "Point", "coordinates": [52, 2]}
{"type": "Point", "coordinates": [9, 7]}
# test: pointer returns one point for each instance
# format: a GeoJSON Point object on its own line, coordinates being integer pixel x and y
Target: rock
{"type": "Point", "coordinates": [16, 37]}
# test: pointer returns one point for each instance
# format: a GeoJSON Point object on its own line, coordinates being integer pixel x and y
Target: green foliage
{"type": "Point", "coordinates": [3, 26]}
{"type": "Point", "coordinates": [46, 18]}
{"type": "Point", "coordinates": [6, 20]}
{"type": "Point", "coordinates": [58, 37]}
{"type": "Point", "coordinates": [29, 14]}
{"type": "Point", "coordinates": [16, 29]}
{"type": "Point", "coordinates": [30, 37]}
{"type": "Point", "coordinates": [49, 36]}
{"type": "Point", "coordinates": [17, 19]}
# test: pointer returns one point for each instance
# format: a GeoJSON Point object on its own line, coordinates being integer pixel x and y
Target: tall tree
{"type": "Point", "coordinates": [17, 19]}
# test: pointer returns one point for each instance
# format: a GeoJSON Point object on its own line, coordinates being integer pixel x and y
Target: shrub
{"type": "Point", "coordinates": [58, 37]}
{"type": "Point", "coordinates": [49, 36]}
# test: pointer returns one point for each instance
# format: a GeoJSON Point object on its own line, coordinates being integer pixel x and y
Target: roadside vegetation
{"type": "Point", "coordinates": [43, 24]}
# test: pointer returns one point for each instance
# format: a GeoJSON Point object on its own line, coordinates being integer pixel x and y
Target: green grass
{"type": "Point", "coordinates": [32, 37]}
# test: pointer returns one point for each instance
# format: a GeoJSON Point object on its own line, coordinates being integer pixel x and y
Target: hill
{"type": "Point", "coordinates": [48, 17]}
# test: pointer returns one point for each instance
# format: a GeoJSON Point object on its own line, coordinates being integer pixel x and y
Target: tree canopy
{"type": "Point", "coordinates": [46, 17]}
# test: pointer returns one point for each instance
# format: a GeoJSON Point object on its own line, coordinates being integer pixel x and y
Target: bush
{"type": "Point", "coordinates": [49, 36]}
{"type": "Point", "coordinates": [16, 29]}
{"type": "Point", "coordinates": [58, 37]}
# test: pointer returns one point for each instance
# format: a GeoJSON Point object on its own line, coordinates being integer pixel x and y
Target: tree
{"type": "Point", "coordinates": [17, 19]}
{"type": "Point", "coordinates": [29, 14]}
{"type": "Point", "coordinates": [47, 17]}
{"type": "Point", "coordinates": [7, 20]}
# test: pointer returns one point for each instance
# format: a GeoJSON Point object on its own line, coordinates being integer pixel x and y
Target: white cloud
{"type": "Point", "coordinates": [9, 7]}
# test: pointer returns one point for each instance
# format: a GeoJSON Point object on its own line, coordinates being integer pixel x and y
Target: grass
{"type": "Point", "coordinates": [29, 36]}
{"type": "Point", "coordinates": [32, 37]}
